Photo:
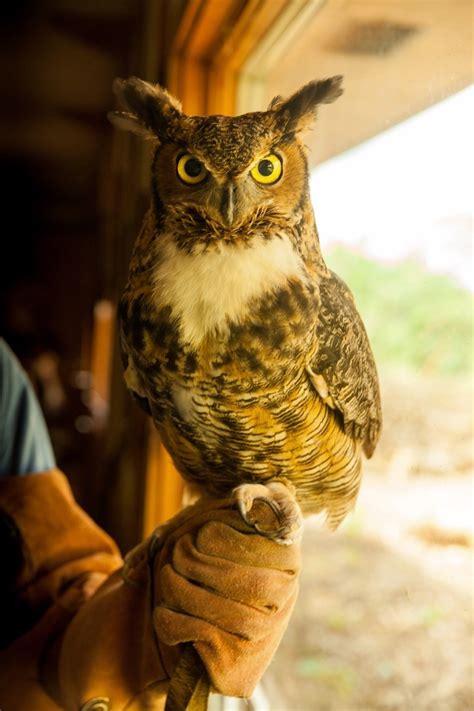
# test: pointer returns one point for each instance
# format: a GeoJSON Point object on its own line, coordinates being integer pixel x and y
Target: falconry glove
{"type": "Point", "coordinates": [113, 635]}
{"type": "Point", "coordinates": [206, 578]}
{"type": "Point", "coordinates": [226, 589]}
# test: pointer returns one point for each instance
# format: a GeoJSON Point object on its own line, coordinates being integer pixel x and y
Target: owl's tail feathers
{"type": "Point", "coordinates": [339, 507]}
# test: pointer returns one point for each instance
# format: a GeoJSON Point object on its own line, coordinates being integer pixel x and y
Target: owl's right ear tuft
{"type": "Point", "coordinates": [150, 110]}
{"type": "Point", "coordinates": [299, 111]}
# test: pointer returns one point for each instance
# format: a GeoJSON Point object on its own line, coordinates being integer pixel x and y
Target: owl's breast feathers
{"type": "Point", "coordinates": [233, 401]}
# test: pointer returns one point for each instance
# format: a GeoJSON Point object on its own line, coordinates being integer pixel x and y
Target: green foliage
{"type": "Point", "coordinates": [339, 677]}
{"type": "Point", "coordinates": [416, 320]}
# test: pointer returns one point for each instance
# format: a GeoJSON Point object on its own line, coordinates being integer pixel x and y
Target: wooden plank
{"type": "Point", "coordinates": [101, 354]}
{"type": "Point", "coordinates": [163, 485]}
{"type": "Point", "coordinates": [193, 86]}
{"type": "Point", "coordinates": [204, 26]}
{"type": "Point", "coordinates": [174, 71]}
{"type": "Point", "coordinates": [253, 23]}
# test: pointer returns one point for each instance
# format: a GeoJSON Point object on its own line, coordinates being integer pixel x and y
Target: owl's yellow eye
{"type": "Point", "coordinates": [190, 169]}
{"type": "Point", "coordinates": [268, 170]}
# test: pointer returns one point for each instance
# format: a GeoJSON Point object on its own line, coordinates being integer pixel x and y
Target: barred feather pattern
{"type": "Point", "coordinates": [345, 360]}
{"type": "Point", "coordinates": [240, 407]}
{"type": "Point", "coordinates": [259, 438]}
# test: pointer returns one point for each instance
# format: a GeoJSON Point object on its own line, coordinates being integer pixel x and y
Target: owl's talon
{"type": "Point", "coordinates": [245, 506]}
{"type": "Point", "coordinates": [285, 521]}
{"type": "Point", "coordinates": [243, 512]}
{"type": "Point", "coordinates": [280, 535]}
{"type": "Point", "coordinates": [272, 504]}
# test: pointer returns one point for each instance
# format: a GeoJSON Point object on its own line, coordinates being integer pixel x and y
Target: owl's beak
{"type": "Point", "coordinates": [227, 204]}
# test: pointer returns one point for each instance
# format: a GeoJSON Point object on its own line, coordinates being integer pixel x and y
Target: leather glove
{"type": "Point", "coordinates": [26, 663]}
{"type": "Point", "coordinates": [226, 589]}
{"type": "Point", "coordinates": [206, 578]}
{"type": "Point", "coordinates": [54, 557]}
{"type": "Point", "coordinates": [51, 543]}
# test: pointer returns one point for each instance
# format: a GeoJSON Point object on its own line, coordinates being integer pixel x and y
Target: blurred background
{"type": "Point", "coordinates": [385, 616]}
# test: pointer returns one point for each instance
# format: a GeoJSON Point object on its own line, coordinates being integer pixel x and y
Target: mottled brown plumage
{"type": "Point", "coordinates": [246, 349]}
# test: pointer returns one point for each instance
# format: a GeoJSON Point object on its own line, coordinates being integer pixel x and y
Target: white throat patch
{"type": "Point", "coordinates": [209, 291]}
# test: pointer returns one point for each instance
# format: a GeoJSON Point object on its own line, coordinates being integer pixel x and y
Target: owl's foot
{"type": "Point", "coordinates": [271, 509]}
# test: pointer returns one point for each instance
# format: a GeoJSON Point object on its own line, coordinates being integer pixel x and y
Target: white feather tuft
{"type": "Point", "coordinates": [207, 292]}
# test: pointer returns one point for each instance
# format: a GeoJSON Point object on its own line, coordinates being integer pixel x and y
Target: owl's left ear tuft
{"type": "Point", "coordinates": [299, 111]}
{"type": "Point", "coordinates": [150, 110]}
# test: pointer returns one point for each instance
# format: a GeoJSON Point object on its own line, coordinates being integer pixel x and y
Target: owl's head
{"type": "Point", "coordinates": [222, 177]}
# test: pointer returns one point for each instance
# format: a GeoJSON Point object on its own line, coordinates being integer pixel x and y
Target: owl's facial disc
{"type": "Point", "coordinates": [207, 195]}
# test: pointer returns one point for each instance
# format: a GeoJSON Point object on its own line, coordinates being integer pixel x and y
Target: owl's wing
{"type": "Point", "coordinates": [344, 359]}
{"type": "Point", "coordinates": [131, 377]}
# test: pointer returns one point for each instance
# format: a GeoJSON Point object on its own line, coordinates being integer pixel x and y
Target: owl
{"type": "Point", "coordinates": [247, 351]}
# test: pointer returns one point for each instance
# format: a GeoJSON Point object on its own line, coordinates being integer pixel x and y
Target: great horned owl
{"type": "Point", "coordinates": [246, 349]}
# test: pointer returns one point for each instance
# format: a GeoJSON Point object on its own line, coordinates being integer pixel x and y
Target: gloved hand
{"type": "Point", "coordinates": [226, 589]}
{"type": "Point", "coordinates": [205, 577]}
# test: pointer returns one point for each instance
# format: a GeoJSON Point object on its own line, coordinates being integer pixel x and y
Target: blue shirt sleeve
{"type": "Point", "coordinates": [25, 446]}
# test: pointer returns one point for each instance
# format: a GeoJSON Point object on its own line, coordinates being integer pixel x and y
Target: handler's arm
{"type": "Point", "coordinates": [89, 628]}
{"type": "Point", "coordinates": [206, 579]}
